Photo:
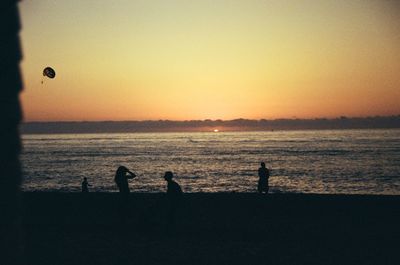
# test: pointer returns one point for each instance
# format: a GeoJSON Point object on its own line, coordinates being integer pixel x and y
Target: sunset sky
{"type": "Point", "coordinates": [210, 59]}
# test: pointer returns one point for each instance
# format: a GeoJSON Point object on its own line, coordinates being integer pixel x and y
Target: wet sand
{"type": "Point", "coordinates": [219, 228]}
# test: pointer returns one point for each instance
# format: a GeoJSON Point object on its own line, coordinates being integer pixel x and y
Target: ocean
{"type": "Point", "coordinates": [323, 161]}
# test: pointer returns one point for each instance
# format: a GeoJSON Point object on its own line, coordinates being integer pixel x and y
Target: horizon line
{"type": "Point", "coordinates": [223, 120]}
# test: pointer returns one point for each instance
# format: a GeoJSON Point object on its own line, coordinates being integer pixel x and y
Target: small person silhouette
{"type": "Point", "coordinates": [174, 197]}
{"type": "Point", "coordinates": [263, 174]}
{"type": "Point", "coordinates": [85, 185]}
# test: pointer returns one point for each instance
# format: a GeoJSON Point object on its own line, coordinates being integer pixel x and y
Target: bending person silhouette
{"type": "Point", "coordinates": [263, 174]}
{"type": "Point", "coordinates": [85, 185]}
{"type": "Point", "coordinates": [121, 179]}
{"type": "Point", "coordinates": [174, 197]}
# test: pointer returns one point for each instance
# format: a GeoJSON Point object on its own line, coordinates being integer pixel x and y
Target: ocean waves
{"type": "Point", "coordinates": [345, 161]}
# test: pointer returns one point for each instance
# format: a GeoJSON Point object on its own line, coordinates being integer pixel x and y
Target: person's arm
{"type": "Point", "coordinates": [131, 175]}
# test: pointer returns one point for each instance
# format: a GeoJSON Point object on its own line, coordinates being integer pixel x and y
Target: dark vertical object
{"type": "Point", "coordinates": [10, 117]}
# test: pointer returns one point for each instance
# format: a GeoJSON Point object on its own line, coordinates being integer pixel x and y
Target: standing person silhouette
{"type": "Point", "coordinates": [121, 179]}
{"type": "Point", "coordinates": [174, 197]}
{"type": "Point", "coordinates": [263, 174]}
{"type": "Point", "coordinates": [85, 185]}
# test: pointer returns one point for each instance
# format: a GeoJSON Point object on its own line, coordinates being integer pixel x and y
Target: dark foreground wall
{"type": "Point", "coordinates": [10, 116]}
{"type": "Point", "coordinates": [231, 228]}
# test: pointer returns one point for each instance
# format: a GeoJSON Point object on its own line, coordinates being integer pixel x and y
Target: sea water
{"type": "Point", "coordinates": [324, 161]}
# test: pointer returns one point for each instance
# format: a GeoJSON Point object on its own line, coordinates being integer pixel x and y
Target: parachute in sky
{"type": "Point", "coordinates": [49, 72]}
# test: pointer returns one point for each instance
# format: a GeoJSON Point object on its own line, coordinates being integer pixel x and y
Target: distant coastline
{"type": "Point", "coordinates": [376, 122]}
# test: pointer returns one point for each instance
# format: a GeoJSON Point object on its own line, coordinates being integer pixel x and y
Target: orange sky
{"type": "Point", "coordinates": [135, 60]}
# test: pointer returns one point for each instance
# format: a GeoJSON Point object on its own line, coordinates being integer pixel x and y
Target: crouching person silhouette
{"type": "Point", "coordinates": [85, 185]}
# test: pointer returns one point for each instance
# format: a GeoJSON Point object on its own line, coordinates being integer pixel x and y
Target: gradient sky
{"type": "Point", "coordinates": [135, 60]}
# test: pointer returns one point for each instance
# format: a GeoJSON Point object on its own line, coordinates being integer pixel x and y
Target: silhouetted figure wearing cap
{"type": "Point", "coordinates": [263, 174]}
{"type": "Point", "coordinates": [85, 185]}
{"type": "Point", "coordinates": [121, 179]}
{"type": "Point", "coordinates": [173, 198]}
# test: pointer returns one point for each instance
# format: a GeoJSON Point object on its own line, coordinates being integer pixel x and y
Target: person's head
{"type": "Point", "coordinates": [262, 164]}
{"type": "Point", "coordinates": [121, 170]}
{"type": "Point", "coordinates": [168, 176]}
{"type": "Point", "coordinates": [84, 179]}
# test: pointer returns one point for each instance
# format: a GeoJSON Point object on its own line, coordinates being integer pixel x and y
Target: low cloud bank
{"type": "Point", "coordinates": [209, 125]}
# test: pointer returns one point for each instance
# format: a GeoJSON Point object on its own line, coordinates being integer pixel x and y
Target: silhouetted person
{"type": "Point", "coordinates": [263, 174]}
{"type": "Point", "coordinates": [173, 197]}
{"type": "Point", "coordinates": [85, 185]}
{"type": "Point", "coordinates": [121, 179]}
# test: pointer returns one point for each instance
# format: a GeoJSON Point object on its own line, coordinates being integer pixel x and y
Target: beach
{"type": "Point", "coordinates": [211, 228]}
